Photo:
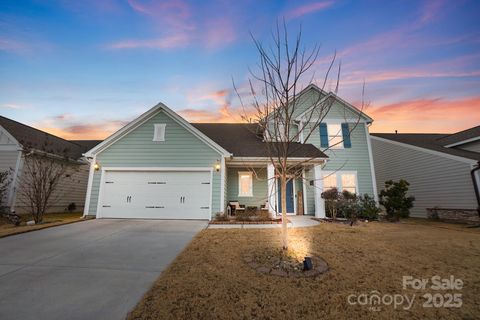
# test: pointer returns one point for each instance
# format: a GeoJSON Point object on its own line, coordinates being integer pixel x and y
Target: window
{"type": "Point", "coordinates": [335, 138]}
{"type": "Point", "coordinates": [159, 132]}
{"type": "Point", "coordinates": [329, 181]}
{"type": "Point", "coordinates": [342, 180]}
{"type": "Point", "coordinates": [245, 184]}
{"type": "Point", "coordinates": [349, 182]}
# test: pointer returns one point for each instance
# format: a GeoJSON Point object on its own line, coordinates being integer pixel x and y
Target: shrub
{"type": "Point", "coordinates": [220, 216]}
{"type": "Point", "coordinates": [331, 197]}
{"type": "Point", "coordinates": [262, 215]}
{"type": "Point", "coordinates": [394, 199]}
{"type": "Point", "coordinates": [244, 215]}
{"type": "Point", "coordinates": [349, 205]}
{"type": "Point", "coordinates": [72, 207]}
{"type": "Point", "coordinates": [368, 208]}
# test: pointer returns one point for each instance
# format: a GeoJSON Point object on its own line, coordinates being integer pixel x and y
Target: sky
{"type": "Point", "coordinates": [82, 69]}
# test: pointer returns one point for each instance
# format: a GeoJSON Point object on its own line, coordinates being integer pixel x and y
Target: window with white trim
{"type": "Point", "coordinates": [335, 137]}
{"type": "Point", "coordinates": [245, 184]}
{"type": "Point", "coordinates": [159, 132]}
{"type": "Point", "coordinates": [342, 180]}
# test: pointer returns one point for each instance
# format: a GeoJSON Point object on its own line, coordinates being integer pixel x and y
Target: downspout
{"type": "Point", "coordinates": [475, 185]}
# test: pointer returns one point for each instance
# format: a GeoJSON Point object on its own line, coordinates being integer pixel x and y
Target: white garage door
{"type": "Point", "coordinates": [156, 195]}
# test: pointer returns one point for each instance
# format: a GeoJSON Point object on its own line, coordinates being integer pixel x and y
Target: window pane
{"type": "Point", "coordinates": [329, 181]}
{"type": "Point", "coordinates": [245, 184]}
{"type": "Point", "coordinates": [335, 135]}
{"type": "Point", "coordinates": [348, 182]}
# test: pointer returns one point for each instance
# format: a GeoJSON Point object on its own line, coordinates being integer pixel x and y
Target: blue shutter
{"type": "Point", "coordinates": [346, 136]}
{"type": "Point", "coordinates": [323, 135]}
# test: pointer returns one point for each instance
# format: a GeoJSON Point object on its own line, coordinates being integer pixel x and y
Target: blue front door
{"type": "Point", "coordinates": [290, 207]}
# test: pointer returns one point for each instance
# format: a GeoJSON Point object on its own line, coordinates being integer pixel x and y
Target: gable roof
{"type": "Point", "coordinates": [429, 141]}
{"type": "Point", "coordinates": [29, 137]}
{"type": "Point", "coordinates": [336, 97]}
{"type": "Point", "coordinates": [148, 115]}
{"type": "Point", "coordinates": [88, 144]}
{"type": "Point", "coordinates": [245, 140]}
{"type": "Point", "coordinates": [461, 137]}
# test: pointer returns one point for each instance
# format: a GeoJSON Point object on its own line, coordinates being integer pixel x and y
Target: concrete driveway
{"type": "Point", "coordinates": [97, 269]}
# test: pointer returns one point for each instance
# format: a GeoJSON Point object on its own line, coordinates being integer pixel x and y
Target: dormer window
{"type": "Point", "coordinates": [159, 132]}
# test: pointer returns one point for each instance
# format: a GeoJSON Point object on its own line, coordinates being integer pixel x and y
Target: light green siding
{"type": "Point", "coordinates": [355, 158]}
{"type": "Point", "coordinates": [180, 149]}
{"type": "Point", "coordinates": [260, 186]}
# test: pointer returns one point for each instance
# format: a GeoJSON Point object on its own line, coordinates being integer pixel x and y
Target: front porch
{"type": "Point", "coordinates": [253, 185]}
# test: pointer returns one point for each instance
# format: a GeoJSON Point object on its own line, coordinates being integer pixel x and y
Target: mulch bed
{"type": "Point", "coordinates": [283, 264]}
{"type": "Point", "coordinates": [275, 221]}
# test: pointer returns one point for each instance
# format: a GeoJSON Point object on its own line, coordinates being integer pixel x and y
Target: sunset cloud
{"type": "Point", "coordinates": [426, 115]}
{"type": "Point", "coordinates": [169, 42]}
{"type": "Point", "coordinates": [307, 9]}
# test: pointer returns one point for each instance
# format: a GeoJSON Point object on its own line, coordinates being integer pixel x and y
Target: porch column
{"type": "Point", "coordinates": [318, 183]}
{"type": "Point", "coordinates": [271, 189]}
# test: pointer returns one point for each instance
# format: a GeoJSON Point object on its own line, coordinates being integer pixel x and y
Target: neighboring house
{"type": "Point", "coordinates": [437, 166]}
{"type": "Point", "coordinates": [15, 138]}
{"type": "Point", "coordinates": [161, 166]}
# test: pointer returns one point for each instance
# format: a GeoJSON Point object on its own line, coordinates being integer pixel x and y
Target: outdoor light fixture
{"type": "Point", "coordinates": [96, 166]}
{"type": "Point", "coordinates": [307, 264]}
{"type": "Point", "coordinates": [217, 165]}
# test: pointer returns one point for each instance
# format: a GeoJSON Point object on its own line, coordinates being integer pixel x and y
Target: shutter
{"type": "Point", "coordinates": [323, 135]}
{"type": "Point", "coordinates": [346, 136]}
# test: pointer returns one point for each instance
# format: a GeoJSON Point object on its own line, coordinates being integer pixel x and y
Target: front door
{"type": "Point", "coordinates": [290, 200]}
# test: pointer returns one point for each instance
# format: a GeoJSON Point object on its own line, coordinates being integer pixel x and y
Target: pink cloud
{"type": "Point", "coordinates": [174, 41]}
{"type": "Point", "coordinates": [177, 27]}
{"type": "Point", "coordinates": [15, 46]}
{"type": "Point", "coordinates": [307, 9]}
{"type": "Point", "coordinates": [427, 115]}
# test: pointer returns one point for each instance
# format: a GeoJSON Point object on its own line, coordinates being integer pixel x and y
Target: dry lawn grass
{"type": "Point", "coordinates": [209, 280]}
{"type": "Point", "coordinates": [49, 220]}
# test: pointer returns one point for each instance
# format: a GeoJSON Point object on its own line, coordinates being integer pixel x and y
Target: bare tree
{"type": "Point", "coordinates": [284, 70]}
{"type": "Point", "coordinates": [41, 174]}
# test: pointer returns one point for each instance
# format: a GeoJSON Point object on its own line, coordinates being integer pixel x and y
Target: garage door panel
{"type": "Point", "coordinates": [157, 195]}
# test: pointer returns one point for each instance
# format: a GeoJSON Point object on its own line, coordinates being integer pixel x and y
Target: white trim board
{"type": "Point", "coordinates": [372, 166]}
{"type": "Point", "coordinates": [145, 117]}
{"type": "Point", "coordinates": [432, 152]}
{"type": "Point", "coordinates": [331, 94]}
{"type": "Point", "coordinates": [459, 143]}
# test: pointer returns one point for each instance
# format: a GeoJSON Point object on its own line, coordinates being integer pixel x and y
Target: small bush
{"type": "Point", "coordinates": [262, 215]}
{"type": "Point", "coordinates": [244, 215]}
{"type": "Point", "coordinates": [72, 207]}
{"type": "Point", "coordinates": [220, 216]}
{"type": "Point", "coordinates": [331, 197]}
{"type": "Point", "coordinates": [368, 208]}
{"type": "Point", "coordinates": [349, 206]}
{"type": "Point", "coordinates": [394, 199]}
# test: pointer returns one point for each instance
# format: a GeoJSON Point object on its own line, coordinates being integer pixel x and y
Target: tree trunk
{"type": "Point", "coordinates": [283, 191]}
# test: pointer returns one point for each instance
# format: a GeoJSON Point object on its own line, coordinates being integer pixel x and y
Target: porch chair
{"type": "Point", "coordinates": [236, 206]}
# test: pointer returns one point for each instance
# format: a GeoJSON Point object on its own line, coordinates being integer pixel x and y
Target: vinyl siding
{"type": "Point", "coordinates": [260, 186]}
{"type": "Point", "coordinates": [434, 180]}
{"type": "Point", "coordinates": [350, 159]}
{"type": "Point", "coordinates": [180, 149]}
{"type": "Point", "coordinates": [472, 146]}
{"type": "Point", "coordinates": [8, 160]}
{"type": "Point", "coordinates": [70, 189]}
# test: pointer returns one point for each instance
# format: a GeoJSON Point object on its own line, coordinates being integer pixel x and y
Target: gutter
{"type": "Point", "coordinates": [475, 185]}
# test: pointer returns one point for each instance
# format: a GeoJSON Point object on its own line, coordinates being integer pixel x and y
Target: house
{"type": "Point", "coordinates": [161, 166]}
{"type": "Point", "coordinates": [437, 166]}
{"type": "Point", "coordinates": [18, 142]}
